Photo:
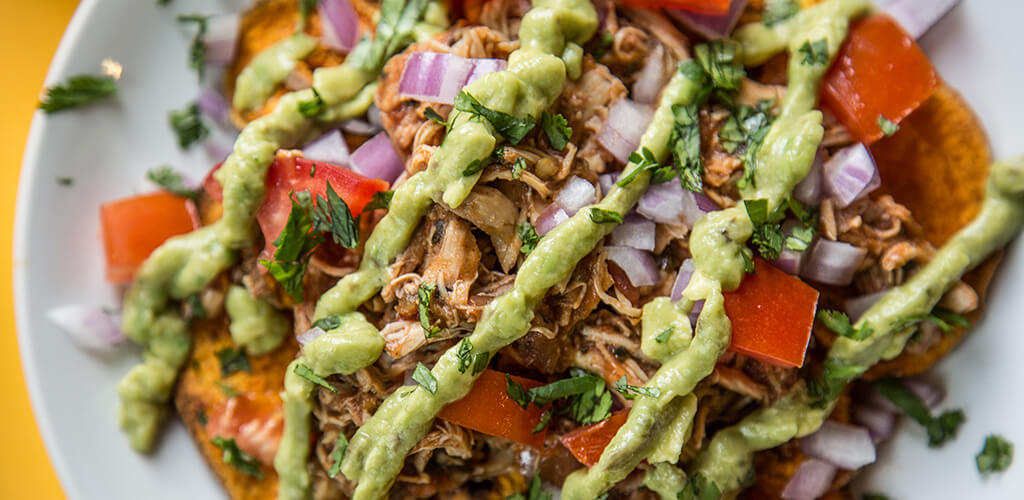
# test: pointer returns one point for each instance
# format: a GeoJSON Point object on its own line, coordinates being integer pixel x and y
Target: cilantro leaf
{"type": "Point", "coordinates": [700, 487]}
{"type": "Point", "coordinates": [604, 43]}
{"type": "Point", "coordinates": [305, 9]}
{"type": "Point", "coordinates": [228, 391]}
{"type": "Point", "coordinates": [424, 294]}
{"type": "Point", "coordinates": [518, 167]}
{"type": "Point", "coordinates": [337, 456]}
{"type": "Point", "coordinates": [380, 200]}
{"type": "Point", "coordinates": [312, 107]}
{"type": "Point", "coordinates": [516, 392]}
{"type": "Point", "coordinates": [996, 456]}
{"type": "Point", "coordinates": [79, 90]}
{"type": "Point", "coordinates": [776, 11]}
{"type": "Point", "coordinates": [685, 144]}
{"type": "Point", "coordinates": [888, 127]}
{"type": "Point", "coordinates": [874, 496]}
{"type": "Point", "coordinates": [557, 129]}
{"type": "Point", "coordinates": [602, 216]}
{"type": "Point", "coordinates": [832, 381]}
{"type": "Point", "coordinates": [629, 391]}
{"type": "Point", "coordinates": [719, 61]}
{"type": "Point", "coordinates": [940, 429]}
{"type": "Point", "coordinates": [814, 53]}
{"type": "Point", "coordinates": [294, 246]}
{"type": "Point", "coordinates": [644, 161]}
{"type": "Point", "coordinates": [533, 492]}
{"type": "Point", "coordinates": [511, 128]}
{"type": "Point", "coordinates": [307, 373]}
{"type": "Point", "coordinates": [333, 216]}
{"type": "Point", "coordinates": [188, 126]}
{"type": "Point", "coordinates": [197, 50]}
{"type": "Point", "coordinates": [588, 400]}
{"type": "Point", "coordinates": [237, 458]}
{"type": "Point", "coordinates": [528, 235]}
{"type": "Point", "coordinates": [233, 360]}
{"type": "Point", "coordinates": [840, 323]}
{"type": "Point", "coordinates": [65, 181]}
{"type": "Point", "coordinates": [172, 182]}
{"type": "Point", "coordinates": [328, 323]}
{"type": "Point", "coordinates": [195, 306]}
{"type": "Point", "coordinates": [395, 29]}
{"type": "Point", "coordinates": [665, 335]}
{"type": "Point", "coordinates": [434, 116]}
{"type": "Point", "coordinates": [800, 238]}
{"type": "Point", "coordinates": [426, 379]}
{"type": "Point", "coordinates": [467, 359]}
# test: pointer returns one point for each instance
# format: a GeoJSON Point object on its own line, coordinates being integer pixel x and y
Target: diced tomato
{"type": "Point", "coordinates": [211, 186]}
{"type": "Point", "coordinates": [488, 409]}
{"type": "Point", "coordinates": [771, 314]}
{"type": "Point", "coordinates": [880, 72]}
{"type": "Point", "coordinates": [256, 423]}
{"type": "Point", "coordinates": [134, 227]}
{"type": "Point", "coordinates": [587, 443]}
{"type": "Point", "coordinates": [716, 7]}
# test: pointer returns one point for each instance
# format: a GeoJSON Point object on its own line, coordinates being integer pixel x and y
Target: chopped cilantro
{"type": "Point", "coordinates": [942, 318]}
{"type": "Point", "coordinates": [188, 126]}
{"type": "Point", "coordinates": [332, 216]}
{"type": "Point", "coordinates": [744, 132]}
{"type": "Point", "coordinates": [328, 323]}
{"type": "Point", "coordinates": [467, 359]}
{"type": "Point", "coordinates": [700, 487]}
{"type": "Point", "coordinates": [396, 28]}
{"type": "Point", "coordinates": [888, 127]}
{"type": "Point", "coordinates": [528, 235]}
{"type": "Point", "coordinates": [767, 235]}
{"type": "Point", "coordinates": [557, 129]}
{"type": "Point", "coordinates": [602, 216]}
{"type": "Point", "coordinates": [800, 238]}
{"type": "Point", "coordinates": [424, 294]}
{"type": "Point", "coordinates": [776, 11]}
{"type": "Point", "coordinates": [516, 392]}
{"type": "Point", "coordinates": [312, 107]}
{"type": "Point", "coordinates": [685, 144]}
{"type": "Point", "coordinates": [644, 161]}
{"type": "Point", "coordinates": [197, 50]}
{"type": "Point", "coordinates": [79, 90]}
{"type": "Point", "coordinates": [518, 167]}
{"type": "Point", "coordinates": [434, 116]}
{"type": "Point", "coordinates": [380, 200]}
{"type": "Point", "coordinates": [294, 246]}
{"type": "Point", "coordinates": [629, 391]}
{"type": "Point", "coordinates": [814, 53]}
{"type": "Point", "coordinates": [996, 456]}
{"type": "Point", "coordinates": [305, 9]}
{"type": "Point", "coordinates": [585, 396]}
{"type": "Point", "coordinates": [840, 323]}
{"type": "Point", "coordinates": [719, 60]}
{"type": "Point", "coordinates": [426, 379]}
{"type": "Point", "coordinates": [237, 458]}
{"type": "Point", "coordinates": [307, 373]}
{"type": "Point", "coordinates": [172, 182]}
{"type": "Point", "coordinates": [832, 381]}
{"type": "Point", "coordinates": [477, 165]}
{"type": "Point", "coordinates": [340, 447]}
{"type": "Point", "coordinates": [604, 43]}
{"type": "Point", "coordinates": [228, 391]}
{"type": "Point", "coordinates": [195, 306]}
{"type": "Point", "coordinates": [202, 418]}
{"type": "Point", "coordinates": [233, 360]}
{"type": "Point", "coordinates": [65, 181]}
{"type": "Point", "coordinates": [874, 496]}
{"type": "Point", "coordinates": [940, 429]}
{"type": "Point", "coordinates": [665, 335]}
{"type": "Point", "coordinates": [545, 419]}
{"type": "Point", "coordinates": [533, 492]}
{"type": "Point", "coordinates": [511, 128]}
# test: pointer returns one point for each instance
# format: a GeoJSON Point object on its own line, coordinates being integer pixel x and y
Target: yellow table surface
{"type": "Point", "coordinates": [29, 33]}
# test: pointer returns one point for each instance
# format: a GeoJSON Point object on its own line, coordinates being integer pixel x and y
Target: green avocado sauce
{"type": "Point", "coordinates": [186, 264]}
{"type": "Point", "coordinates": [257, 81]}
{"type": "Point", "coordinates": [255, 324]}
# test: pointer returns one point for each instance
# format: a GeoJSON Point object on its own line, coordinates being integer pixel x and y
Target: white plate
{"type": "Point", "coordinates": [107, 148]}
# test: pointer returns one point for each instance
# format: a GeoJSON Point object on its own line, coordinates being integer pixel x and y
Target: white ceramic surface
{"type": "Point", "coordinates": [107, 148]}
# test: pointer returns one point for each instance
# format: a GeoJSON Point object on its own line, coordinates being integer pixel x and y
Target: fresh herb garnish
{"type": "Point", "coordinates": [328, 323]}
{"type": "Point", "coordinates": [237, 458]}
{"type": "Point", "coordinates": [188, 126]}
{"type": "Point", "coordinates": [585, 397]}
{"type": "Point", "coordinates": [996, 456]}
{"type": "Point", "coordinates": [630, 391]}
{"type": "Point", "coordinates": [434, 116]}
{"type": "Point", "coordinates": [663, 337]}
{"type": "Point", "coordinates": [940, 429]}
{"type": "Point", "coordinates": [197, 50]}
{"type": "Point", "coordinates": [424, 294]}
{"type": "Point", "coordinates": [874, 496]}
{"type": "Point", "coordinates": [700, 487]}
{"type": "Point", "coordinates": [202, 418]}
{"type": "Point", "coordinates": [340, 447]}
{"type": "Point", "coordinates": [840, 323]}
{"type": "Point", "coordinates": [602, 216]}
{"type": "Point", "coordinates": [604, 43]}
{"type": "Point", "coordinates": [944, 319]}
{"type": "Point", "coordinates": [380, 200]}
{"type": "Point", "coordinates": [312, 107]}
{"type": "Point", "coordinates": [776, 11]}
{"type": "Point", "coordinates": [814, 53]}
{"type": "Point", "coordinates": [79, 90]}
{"type": "Point", "coordinates": [467, 359]}
{"type": "Point", "coordinates": [888, 127]}
{"type": "Point", "coordinates": [645, 161]}
{"type": "Point", "coordinates": [172, 182]}
{"type": "Point", "coordinates": [528, 235]}
{"type": "Point", "coordinates": [545, 419]}
{"type": "Point", "coordinates": [557, 129]}
{"type": "Point", "coordinates": [307, 373]}
{"type": "Point", "coordinates": [533, 492]}
{"type": "Point", "coordinates": [767, 235]}
{"type": "Point", "coordinates": [305, 9]}
{"type": "Point", "coordinates": [332, 216]}
{"type": "Point", "coordinates": [719, 61]}
{"type": "Point", "coordinates": [511, 128]}
{"type": "Point", "coordinates": [746, 127]}
{"type": "Point", "coordinates": [426, 379]}
{"type": "Point", "coordinates": [233, 360]}
{"type": "Point", "coordinates": [195, 306]}
{"type": "Point", "coordinates": [395, 29]}
{"type": "Point", "coordinates": [832, 381]}
{"type": "Point", "coordinates": [477, 165]}
{"type": "Point", "coordinates": [517, 168]}
{"type": "Point", "coordinates": [228, 391]}
{"type": "Point", "coordinates": [294, 246]}
{"type": "Point", "coordinates": [65, 181]}
{"type": "Point", "coordinates": [800, 238]}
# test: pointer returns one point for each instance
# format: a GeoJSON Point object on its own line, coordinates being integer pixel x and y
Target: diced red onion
{"type": "Point", "coordinates": [377, 159]}
{"type": "Point", "coordinates": [217, 150]}
{"type": "Point", "coordinates": [88, 326]}
{"type": "Point", "coordinates": [214, 105]}
{"type": "Point", "coordinates": [809, 191]}
{"type": "Point", "coordinates": [634, 232]}
{"type": "Point", "coordinates": [711, 26]}
{"type": "Point", "coordinates": [339, 24]}
{"type": "Point", "coordinates": [438, 77]}
{"type": "Point", "coordinates": [811, 480]}
{"type": "Point", "coordinates": [373, 116]}
{"type": "Point", "coordinates": [606, 181]}
{"type": "Point", "coordinates": [790, 261]}
{"type": "Point", "coordinates": [879, 422]}
{"type": "Point", "coordinates": [639, 266]}
{"type": "Point", "coordinates": [682, 279]}
{"type": "Point", "coordinates": [929, 393]}
{"type": "Point", "coordinates": [662, 203]}
{"type": "Point", "coordinates": [695, 312]}
{"type": "Point", "coordinates": [651, 78]}
{"type": "Point", "coordinates": [360, 127]}
{"type": "Point", "coordinates": [328, 148]}
{"type": "Point", "coordinates": [552, 216]}
{"type": "Point", "coordinates": [626, 123]}
{"type": "Point", "coordinates": [850, 175]}
{"type": "Point", "coordinates": [833, 262]}
{"type": "Point", "coordinates": [576, 194]}
{"type": "Point", "coordinates": [856, 306]}
{"type": "Point", "coordinates": [847, 447]}
{"type": "Point", "coordinates": [309, 335]}
{"type": "Point", "coordinates": [916, 16]}
{"type": "Point", "coordinates": [696, 205]}
{"type": "Point", "coordinates": [220, 38]}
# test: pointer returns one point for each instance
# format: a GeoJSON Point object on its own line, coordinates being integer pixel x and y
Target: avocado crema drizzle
{"type": "Point", "coordinates": [186, 264]}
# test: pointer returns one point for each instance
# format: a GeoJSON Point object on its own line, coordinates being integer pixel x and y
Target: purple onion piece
{"type": "Point", "coordinates": [220, 39]}
{"type": "Point", "coordinates": [309, 335]}
{"type": "Point", "coordinates": [360, 127]}
{"type": "Point", "coordinates": [850, 175]}
{"type": "Point", "coordinates": [339, 24]}
{"type": "Point", "coordinates": [695, 205]}
{"type": "Point", "coordinates": [626, 123]}
{"type": "Point", "coordinates": [847, 447]}
{"type": "Point", "coordinates": [811, 480]}
{"type": "Point", "coordinates": [552, 216]}
{"type": "Point", "coordinates": [809, 191]}
{"type": "Point", "coordinates": [377, 159]}
{"type": "Point", "coordinates": [214, 105]}
{"type": "Point", "coordinates": [855, 307]}
{"type": "Point", "coordinates": [662, 203]}
{"type": "Point", "coordinates": [682, 280]}
{"type": "Point", "coordinates": [634, 232]}
{"type": "Point", "coordinates": [575, 194]}
{"type": "Point", "coordinates": [438, 77]}
{"type": "Point", "coordinates": [89, 327]}
{"type": "Point", "coordinates": [607, 181]}
{"type": "Point", "coordinates": [879, 422]}
{"type": "Point", "coordinates": [710, 26]}
{"type": "Point", "coordinates": [833, 262]}
{"type": "Point", "coordinates": [328, 148]}
{"type": "Point", "coordinates": [639, 266]}
{"type": "Point", "coordinates": [652, 77]}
